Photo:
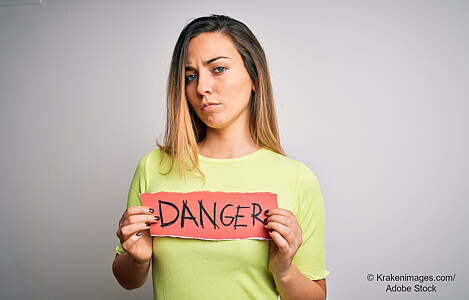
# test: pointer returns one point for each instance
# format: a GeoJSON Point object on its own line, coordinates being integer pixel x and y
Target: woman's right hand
{"type": "Point", "coordinates": [134, 234]}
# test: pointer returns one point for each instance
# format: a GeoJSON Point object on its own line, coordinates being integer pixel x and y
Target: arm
{"type": "Point", "coordinates": [309, 260]}
{"type": "Point", "coordinates": [128, 272]}
{"type": "Point", "coordinates": [130, 267]}
{"type": "Point", "coordinates": [289, 263]}
{"type": "Point", "coordinates": [131, 270]}
{"type": "Point", "coordinates": [294, 285]}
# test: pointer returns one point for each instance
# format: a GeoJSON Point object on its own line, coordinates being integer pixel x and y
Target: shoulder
{"type": "Point", "coordinates": [150, 159]}
{"type": "Point", "coordinates": [290, 165]}
{"type": "Point", "coordinates": [297, 172]}
{"type": "Point", "coordinates": [154, 154]}
{"type": "Point", "coordinates": [281, 162]}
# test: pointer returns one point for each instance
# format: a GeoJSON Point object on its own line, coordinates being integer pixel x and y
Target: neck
{"type": "Point", "coordinates": [229, 142]}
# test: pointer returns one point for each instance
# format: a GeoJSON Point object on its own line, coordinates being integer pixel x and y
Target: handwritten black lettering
{"type": "Point", "coordinates": [254, 214]}
{"type": "Point", "coordinates": [239, 216]}
{"type": "Point", "coordinates": [229, 217]}
{"type": "Point", "coordinates": [183, 214]}
{"type": "Point", "coordinates": [160, 208]}
{"type": "Point", "coordinates": [212, 220]}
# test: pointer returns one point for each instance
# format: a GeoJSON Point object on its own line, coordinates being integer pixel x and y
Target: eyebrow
{"type": "Point", "coordinates": [189, 68]}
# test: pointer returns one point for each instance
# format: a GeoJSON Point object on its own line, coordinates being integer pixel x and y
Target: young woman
{"type": "Point", "coordinates": [221, 135]}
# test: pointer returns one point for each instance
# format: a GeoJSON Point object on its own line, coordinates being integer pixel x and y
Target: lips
{"type": "Point", "coordinates": [209, 105]}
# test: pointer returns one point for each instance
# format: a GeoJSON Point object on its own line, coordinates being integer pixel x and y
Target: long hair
{"type": "Point", "coordinates": [184, 129]}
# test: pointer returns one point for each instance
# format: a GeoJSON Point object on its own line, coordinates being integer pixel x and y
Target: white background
{"type": "Point", "coordinates": [371, 95]}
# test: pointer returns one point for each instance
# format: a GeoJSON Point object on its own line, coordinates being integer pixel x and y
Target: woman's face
{"type": "Point", "coordinates": [215, 73]}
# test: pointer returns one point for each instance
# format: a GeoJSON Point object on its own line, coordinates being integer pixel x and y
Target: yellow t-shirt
{"type": "Point", "coordinates": [235, 269]}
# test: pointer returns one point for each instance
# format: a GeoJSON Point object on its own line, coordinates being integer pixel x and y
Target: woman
{"type": "Point", "coordinates": [221, 133]}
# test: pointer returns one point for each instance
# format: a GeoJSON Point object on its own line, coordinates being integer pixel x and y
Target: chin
{"type": "Point", "coordinates": [216, 125]}
{"type": "Point", "coordinates": [215, 122]}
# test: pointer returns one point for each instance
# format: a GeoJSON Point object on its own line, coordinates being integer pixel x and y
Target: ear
{"type": "Point", "coordinates": [253, 87]}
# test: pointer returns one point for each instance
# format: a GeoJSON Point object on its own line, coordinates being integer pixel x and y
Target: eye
{"type": "Point", "coordinates": [218, 68]}
{"type": "Point", "coordinates": [189, 79]}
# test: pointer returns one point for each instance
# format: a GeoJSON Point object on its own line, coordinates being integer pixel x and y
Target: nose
{"type": "Point", "coordinates": [204, 84]}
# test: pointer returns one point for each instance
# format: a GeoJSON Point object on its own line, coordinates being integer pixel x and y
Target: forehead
{"type": "Point", "coordinates": [208, 45]}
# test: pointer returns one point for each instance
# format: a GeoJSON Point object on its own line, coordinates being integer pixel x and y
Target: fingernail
{"type": "Point", "coordinates": [151, 210]}
{"type": "Point", "coordinates": [157, 218]}
{"type": "Point", "coordinates": [267, 211]}
{"type": "Point", "coordinates": [148, 224]}
{"type": "Point", "coordinates": [139, 233]}
{"type": "Point", "coordinates": [265, 221]}
{"type": "Point", "coordinates": [271, 230]}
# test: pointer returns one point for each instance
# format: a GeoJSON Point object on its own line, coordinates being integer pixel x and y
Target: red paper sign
{"type": "Point", "coordinates": [210, 215]}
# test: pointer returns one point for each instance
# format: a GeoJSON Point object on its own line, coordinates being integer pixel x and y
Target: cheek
{"type": "Point", "coordinates": [191, 96]}
{"type": "Point", "coordinates": [236, 90]}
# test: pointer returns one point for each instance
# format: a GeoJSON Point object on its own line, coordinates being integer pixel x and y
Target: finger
{"type": "Point", "coordinates": [128, 243]}
{"type": "Point", "coordinates": [281, 243]}
{"type": "Point", "coordinates": [131, 229]}
{"type": "Point", "coordinates": [138, 210]}
{"type": "Point", "coordinates": [279, 219]}
{"type": "Point", "coordinates": [139, 218]}
{"type": "Point", "coordinates": [134, 210]}
{"type": "Point", "coordinates": [279, 211]}
{"type": "Point", "coordinates": [283, 230]}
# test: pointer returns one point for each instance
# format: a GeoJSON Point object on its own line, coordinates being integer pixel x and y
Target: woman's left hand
{"type": "Point", "coordinates": [287, 238]}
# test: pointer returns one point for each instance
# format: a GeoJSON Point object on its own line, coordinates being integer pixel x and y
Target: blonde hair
{"type": "Point", "coordinates": [184, 129]}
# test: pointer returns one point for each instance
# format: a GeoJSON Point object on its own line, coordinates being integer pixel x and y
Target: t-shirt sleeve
{"type": "Point", "coordinates": [310, 257]}
{"type": "Point", "coordinates": [137, 186]}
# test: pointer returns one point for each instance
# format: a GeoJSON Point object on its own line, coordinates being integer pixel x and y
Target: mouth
{"type": "Point", "coordinates": [209, 106]}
